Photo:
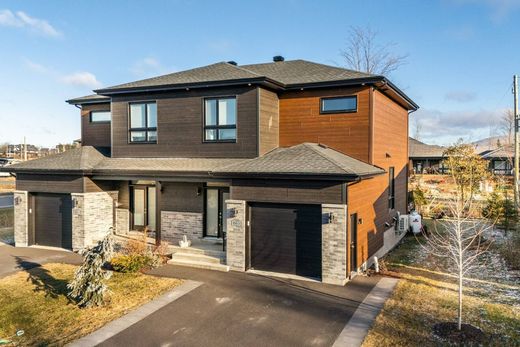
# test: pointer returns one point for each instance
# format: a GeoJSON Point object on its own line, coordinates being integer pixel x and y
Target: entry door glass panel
{"type": "Point", "coordinates": [151, 208]}
{"type": "Point", "coordinates": [225, 196]}
{"type": "Point", "coordinates": [139, 206]}
{"type": "Point", "coordinates": [212, 212]}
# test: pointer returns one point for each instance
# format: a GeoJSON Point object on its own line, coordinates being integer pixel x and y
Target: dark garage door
{"type": "Point", "coordinates": [53, 220]}
{"type": "Point", "coordinates": [286, 238]}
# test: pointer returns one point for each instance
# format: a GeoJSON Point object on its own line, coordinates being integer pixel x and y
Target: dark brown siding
{"type": "Point", "coordinates": [269, 120]}
{"type": "Point", "coordinates": [98, 186]}
{"type": "Point", "coordinates": [182, 197]}
{"type": "Point", "coordinates": [179, 124]}
{"type": "Point", "coordinates": [308, 192]}
{"type": "Point", "coordinates": [301, 121]}
{"type": "Point", "coordinates": [49, 183]}
{"type": "Point", "coordinates": [94, 134]}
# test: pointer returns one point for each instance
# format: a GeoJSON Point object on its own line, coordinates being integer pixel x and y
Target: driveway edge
{"type": "Point", "coordinates": [116, 326]}
{"type": "Point", "coordinates": [355, 331]}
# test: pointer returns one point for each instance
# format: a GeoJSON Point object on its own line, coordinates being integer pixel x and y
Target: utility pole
{"type": "Point", "coordinates": [517, 140]}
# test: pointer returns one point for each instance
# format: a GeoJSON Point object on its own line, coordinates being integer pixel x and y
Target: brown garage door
{"type": "Point", "coordinates": [53, 220]}
{"type": "Point", "coordinates": [286, 238]}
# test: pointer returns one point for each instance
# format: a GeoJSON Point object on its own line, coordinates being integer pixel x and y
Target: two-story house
{"type": "Point", "coordinates": [296, 167]}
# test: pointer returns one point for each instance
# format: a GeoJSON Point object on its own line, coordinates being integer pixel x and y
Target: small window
{"type": "Point", "coordinates": [220, 120]}
{"type": "Point", "coordinates": [100, 117]}
{"type": "Point", "coordinates": [341, 104]}
{"type": "Point", "coordinates": [143, 122]}
{"type": "Point", "coordinates": [391, 188]}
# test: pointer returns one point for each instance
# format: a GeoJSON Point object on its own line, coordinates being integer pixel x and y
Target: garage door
{"type": "Point", "coordinates": [286, 238]}
{"type": "Point", "coordinates": [53, 220]}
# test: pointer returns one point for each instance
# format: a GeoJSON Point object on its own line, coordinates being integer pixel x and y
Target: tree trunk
{"type": "Point", "coordinates": [459, 321]}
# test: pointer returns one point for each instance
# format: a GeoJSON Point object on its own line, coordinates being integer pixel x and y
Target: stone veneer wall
{"type": "Point", "coordinates": [236, 235]}
{"type": "Point", "coordinates": [122, 221]}
{"type": "Point", "coordinates": [174, 225]}
{"type": "Point", "coordinates": [334, 245]}
{"type": "Point", "coordinates": [21, 219]}
{"type": "Point", "coordinates": [92, 217]}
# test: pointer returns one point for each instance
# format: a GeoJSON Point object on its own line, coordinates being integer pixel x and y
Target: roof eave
{"type": "Point", "coordinates": [258, 80]}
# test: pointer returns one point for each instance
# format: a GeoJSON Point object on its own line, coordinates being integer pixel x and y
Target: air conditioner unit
{"type": "Point", "coordinates": [403, 224]}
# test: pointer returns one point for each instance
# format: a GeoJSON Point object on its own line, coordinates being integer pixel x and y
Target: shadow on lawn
{"type": "Point", "coordinates": [43, 280]}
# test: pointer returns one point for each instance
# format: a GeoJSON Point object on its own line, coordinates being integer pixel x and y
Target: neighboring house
{"type": "Point", "coordinates": [501, 160]}
{"type": "Point", "coordinates": [425, 158]}
{"type": "Point", "coordinates": [297, 167]}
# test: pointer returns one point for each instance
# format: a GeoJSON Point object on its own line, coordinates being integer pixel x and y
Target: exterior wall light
{"type": "Point", "coordinates": [17, 200]}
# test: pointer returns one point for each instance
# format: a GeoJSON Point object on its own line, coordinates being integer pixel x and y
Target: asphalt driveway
{"type": "Point", "coordinates": [14, 259]}
{"type": "Point", "coordinates": [240, 309]}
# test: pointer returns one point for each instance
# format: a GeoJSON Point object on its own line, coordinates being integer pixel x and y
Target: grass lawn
{"type": "Point", "coordinates": [35, 301]}
{"type": "Point", "coordinates": [426, 295]}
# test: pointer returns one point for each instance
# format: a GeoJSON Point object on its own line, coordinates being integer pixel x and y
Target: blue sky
{"type": "Point", "coordinates": [462, 53]}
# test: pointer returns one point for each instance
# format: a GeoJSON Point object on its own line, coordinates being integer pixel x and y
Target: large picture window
{"type": "Point", "coordinates": [220, 120]}
{"type": "Point", "coordinates": [342, 104]}
{"type": "Point", "coordinates": [143, 122]}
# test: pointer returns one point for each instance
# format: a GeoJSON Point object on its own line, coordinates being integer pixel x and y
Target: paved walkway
{"type": "Point", "coordinates": [240, 309]}
{"type": "Point", "coordinates": [13, 259]}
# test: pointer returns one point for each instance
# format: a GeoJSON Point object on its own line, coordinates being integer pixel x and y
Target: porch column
{"type": "Point", "coordinates": [92, 217]}
{"type": "Point", "coordinates": [334, 244]}
{"type": "Point", "coordinates": [21, 218]}
{"type": "Point", "coordinates": [236, 235]}
{"type": "Point", "coordinates": [158, 199]}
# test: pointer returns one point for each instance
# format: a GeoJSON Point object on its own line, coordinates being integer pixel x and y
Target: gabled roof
{"type": "Point", "coordinates": [307, 159]}
{"type": "Point", "coordinates": [418, 149]}
{"type": "Point", "coordinates": [76, 160]}
{"type": "Point", "coordinates": [282, 75]}
{"type": "Point", "coordinates": [503, 152]}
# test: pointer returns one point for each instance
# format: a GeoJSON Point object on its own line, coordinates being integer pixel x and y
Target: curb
{"type": "Point", "coordinates": [115, 327]}
{"type": "Point", "coordinates": [355, 331]}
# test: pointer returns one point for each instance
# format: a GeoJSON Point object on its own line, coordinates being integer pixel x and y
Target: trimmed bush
{"type": "Point", "coordinates": [130, 262]}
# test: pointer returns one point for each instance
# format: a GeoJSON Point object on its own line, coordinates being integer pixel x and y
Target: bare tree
{"type": "Point", "coordinates": [417, 128]}
{"type": "Point", "coordinates": [459, 237]}
{"type": "Point", "coordinates": [507, 126]}
{"type": "Point", "coordinates": [365, 53]}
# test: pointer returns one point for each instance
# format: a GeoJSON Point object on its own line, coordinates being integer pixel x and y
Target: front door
{"type": "Point", "coordinates": [216, 217]}
{"type": "Point", "coordinates": [143, 207]}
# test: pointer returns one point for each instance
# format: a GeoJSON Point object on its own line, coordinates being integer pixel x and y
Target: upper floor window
{"type": "Point", "coordinates": [220, 120]}
{"type": "Point", "coordinates": [100, 117]}
{"type": "Point", "coordinates": [340, 104]}
{"type": "Point", "coordinates": [391, 188]}
{"type": "Point", "coordinates": [143, 122]}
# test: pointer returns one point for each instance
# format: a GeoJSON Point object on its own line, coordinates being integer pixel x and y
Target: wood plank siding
{"type": "Point", "coordinates": [50, 183]}
{"type": "Point", "coordinates": [369, 198]}
{"type": "Point", "coordinates": [269, 121]}
{"type": "Point", "coordinates": [94, 134]}
{"type": "Point", "coordinates": [301, 121]}
{"type": "Point", "coordinates": [299, 192]}
{"type": "Point", "coordinates": [180, 125]}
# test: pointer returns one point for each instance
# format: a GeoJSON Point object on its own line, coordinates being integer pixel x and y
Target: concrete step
{"type": "Point", "coordinates": [200, 265]}
{"type": "Point", "coordinates": [197, 257]}
{"type": "Point", "coordinates": [196, 250]}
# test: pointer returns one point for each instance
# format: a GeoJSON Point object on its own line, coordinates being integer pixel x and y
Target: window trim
{"type": "Point", "coordinates": [322, 111]}
{"type": "Point", "coordinates": [218, 127]}
{"type": "Point", "coordinates": [145, 129]}
{"type": "Point", "coordinates": [99, 122]}
{"type": "Point", "coordinates": [391, 188]}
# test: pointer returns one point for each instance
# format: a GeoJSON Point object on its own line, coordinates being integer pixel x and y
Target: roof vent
{"type": "Point", "coordinates": [232, 62]}
{"type": "Point", "coordinates": [278, 58]}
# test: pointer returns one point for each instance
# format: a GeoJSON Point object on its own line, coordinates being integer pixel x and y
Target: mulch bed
{"type": "Point", "coordinates": [469, 335]}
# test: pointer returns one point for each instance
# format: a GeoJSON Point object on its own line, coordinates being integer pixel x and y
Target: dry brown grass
{"type": "Point", "coordinates": [7, 184]}
{"type": "Point", "coordinates": [425, 296]}
{"type": "Point", "coordinates": [36, 301]}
